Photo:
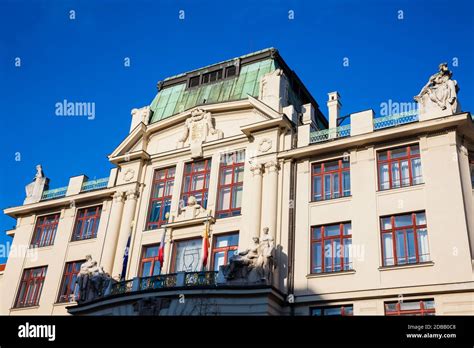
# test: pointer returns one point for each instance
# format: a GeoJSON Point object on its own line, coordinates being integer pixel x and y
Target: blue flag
{"type": "Point", "coordinates": [125, 259]}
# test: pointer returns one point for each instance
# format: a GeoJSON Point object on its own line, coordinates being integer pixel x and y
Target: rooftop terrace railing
{"type": "Point", "coordinates": [331, 133]}
{"type": "Point", "coordinates": [55, 193]}
{"type": "Point", "coordinates": [92, 185]}
{"type": "Point", "coordinates": [395, 119]}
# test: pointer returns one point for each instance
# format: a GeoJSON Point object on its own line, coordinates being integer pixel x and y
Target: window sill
{"type": "Point", "coordinates": [414, 265]}
{"type": "Point", "coordinates": [15, 309]}
{"type": "Point", "coordinates": [329, 274]}
{"type": "Point", "coordinates": [332, 200]}
{"type": "Point", "coordinates": [83, 241]}
{"type": "Point", "coordinates": [59, 304]}
{"type": "Point", "coordinates": [46, 247]}
{"type": "Point", "coordinates": [158, 229]}
{"type": "Point", "coordinates": [227, 217]}
{"type": "Point", "coordinates": [401, 189]}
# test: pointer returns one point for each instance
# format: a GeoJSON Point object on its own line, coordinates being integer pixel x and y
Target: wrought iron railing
{"type": "Point", "coordinates": [395, 119]}
{"type": "Point", "coordinates": [122, 287]}
{"type": "Point", "coordinates": [55, 193]}
{"type": "Point", "coordinates": [331, 133]}
{"type": "Point", "coordinates": [97, 184]}
{"type": "Point", "coordinates": [200, 279]}
{"type": "Point", "coordinates": [158, 282]}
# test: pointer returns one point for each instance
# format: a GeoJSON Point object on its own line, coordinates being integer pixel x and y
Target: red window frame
{"type": "Point", "coordinates": [343, 167]}
{"type": "Point", "coordinates": [167, 180]}
{"type": "Point", "coordinates": [226, 250]}
{"type": "Point", "coordinates": [237, 164]}
{"type": "Point", "coordinates": [45, 231]}
{"type": "Point", "coordinates": [341, 237]}
{"type": "Point", "coordinates": [398, 311]}
{"type": "Point", "coordinates": [344, 310]}
{"type": "Point", "coordinates": [83, 217]}
{"type": "Point", "coordinates": [190, 175]}
{"type": "Point", "coordinates": [391, 161]}
{"type": "Point", "coordinates": [393, 231]}
{"type": "Point", "coordinates": [31, 285]}
{"type": "Point", "coordinates": [152, 259]}
{"type": "Point", "coordinates": [71, 270]}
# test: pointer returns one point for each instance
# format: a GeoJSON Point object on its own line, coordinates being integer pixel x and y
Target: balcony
{"type": "Point", "coordinates": [164, 281]}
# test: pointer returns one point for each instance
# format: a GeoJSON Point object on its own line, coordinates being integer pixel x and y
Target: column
{"type": "Point", "coordinates": [271, 196]}
{"type": "Point", "coordinates": [125, 230]}
{"type": "Point", "coordinates": [256, 216]}
{"type": "Point", "coordinates": [111, 238]}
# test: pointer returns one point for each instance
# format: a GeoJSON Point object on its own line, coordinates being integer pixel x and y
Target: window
{"type": "Point", "coordinates": [45, 230]}
{"type": "Point", "coordinates": [68, 283]}
{"type": "Point", "coordinates": [230, 71]}
{"type": "Point", "coordinates": [31, 285]}
{"type": "Point", "coordinates": [225, 246]}
{"type": "Point", "coordinates": [149, 265]}
{"type": "Point", "coordinates": [212, 76]}
{"type": "Point", "coordinates": [87, 223]}
{"type": "Point", "coordinates": [160, 201]}
{"type": "Point", "coordinates": [194, 81]}
{"type": "Point", "coordinates": [231, 178]}
{"type": "Point", "coordinates": [196, 181]}
{"type": "Point", "coordinates": [331, 180]}
{"type": "Point", "coordinates": [419, 308]}
{"type": "Point", "coordinates": [331, 248]}
{"type": "Point", "coordinates": [345, 310]}
{"type": "Point", "coordinates": [404, 239]}
{"type": "Point", "coordinates": [187, 255]}
{"type": "Point", "coordinates": [399, 167]}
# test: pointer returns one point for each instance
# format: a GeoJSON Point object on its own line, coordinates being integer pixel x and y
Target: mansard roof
{"type": "Point", "coordinates": [230, 80]}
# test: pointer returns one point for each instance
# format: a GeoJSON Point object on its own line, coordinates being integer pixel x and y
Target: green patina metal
{"type": "Point", "coordinates": [175, 99]}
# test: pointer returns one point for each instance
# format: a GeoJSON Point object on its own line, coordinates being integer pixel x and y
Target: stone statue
{"type": "Point", "coordinates": [91, 280]}
{"type": "Point", "coordinates": [440, 93]}
{"type": "Point", "coordinates": [243, 262]}
{"type": "Point", "coordinates": [254, 265]}
{"type": "Point", "coordinates": [192, 210]}
{"type": "Point", "coordinates": [266, 252]}
{"type": "Point", "coordinates": [198, 128]}
{"type": "Point", "coordinates": [34, 190]}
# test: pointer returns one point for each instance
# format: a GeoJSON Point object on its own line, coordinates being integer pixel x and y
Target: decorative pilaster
{"type": "Point", "coordinates": [271, 196]}
{"type": "Point", "coordinates": [111, 239]}
{"type": "Point", "coordinates": [125, 230]}
{"type": "Point", "coordinates": [257, 179]}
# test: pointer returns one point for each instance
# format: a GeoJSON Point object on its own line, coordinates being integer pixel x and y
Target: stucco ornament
{"type": "Point", "coordinates": [129, 174]}
{"type": "Point", "coordinates": [440, 93]}
{"type": "Point", "coordinates": [254, 265]}
{"type": "Point", "coordinates": [198, 128]}
{"type": "Point", "coordinates": [192, 210]}
{"type": "Point", "coordinates": [265, 145]}
{"type": "Point", "coordinates": [91, 281]}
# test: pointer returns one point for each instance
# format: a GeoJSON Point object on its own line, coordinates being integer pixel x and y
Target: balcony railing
{"type": "Point", "coordinates": [55, 193]}
{"type": "Point", "coordinates": [395, 119]}
{"type": "Point", "coordinates": [121, 287]}
{"type": "Point", "coordinates": [200, 279]}
{"type": "Point", "coordinates": [331, 133]}
{"type": "Point", "coordinates": [92, 185]}
{"type": "Point", "coordinates": [158, 282]}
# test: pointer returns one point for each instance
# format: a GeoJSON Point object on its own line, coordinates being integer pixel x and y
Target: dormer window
{"type": "Point", "coordinates": [230, 71]}
{"type": "Point", "coordinates": [194, 81]}
{"type": "Point", "coordinates": [212, 76]}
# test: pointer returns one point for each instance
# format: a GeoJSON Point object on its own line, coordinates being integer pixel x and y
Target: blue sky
{"type": "Point", "coordinates": [82, 60]}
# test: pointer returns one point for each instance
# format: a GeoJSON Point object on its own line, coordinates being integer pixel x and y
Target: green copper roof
{"type": "Point", "coordinates": [175, 99]}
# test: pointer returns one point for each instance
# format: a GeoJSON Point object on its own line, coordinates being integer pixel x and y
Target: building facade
{"type": "Point", "coordinates": [365, 215]}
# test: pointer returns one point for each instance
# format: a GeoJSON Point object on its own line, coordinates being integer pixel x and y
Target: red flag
{"type": "Point", "coordinates": [161, 250]}
{"type": "Point", "coordinates": [205, 246]}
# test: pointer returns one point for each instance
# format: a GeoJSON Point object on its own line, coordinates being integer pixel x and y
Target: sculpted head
{"type": "Point", "coordinates": [265, 230]}
{"type": "Point", "coordinates": [88, 257]}
{"type": "Point", "coordinates": [256, 240]}
{"type": "Point", "coordinates": [192, 201]}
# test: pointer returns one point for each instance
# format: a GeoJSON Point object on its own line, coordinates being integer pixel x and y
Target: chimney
{"type": "Point", "coordinates": [334, 108]}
